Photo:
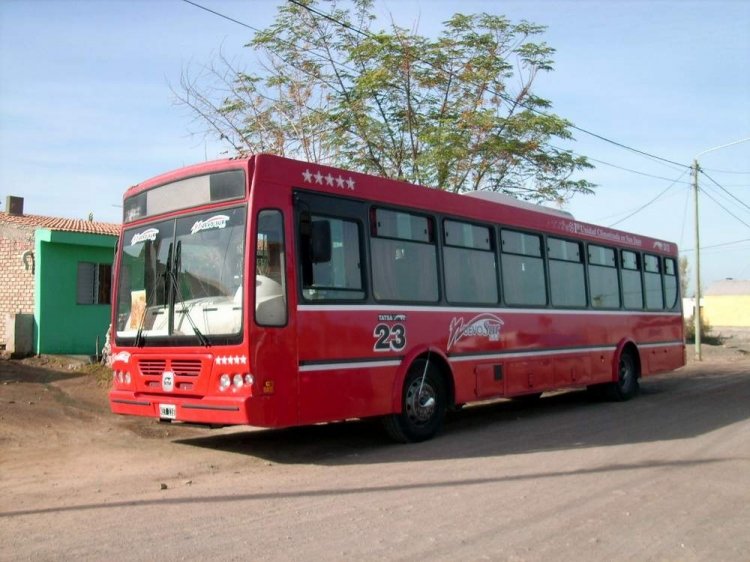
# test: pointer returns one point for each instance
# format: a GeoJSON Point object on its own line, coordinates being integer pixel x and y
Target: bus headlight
{"type": "Point", "coordinates": [224, 382]}
{"type": "Point", "coordinates": [249, 379]}
{"type": "Point", "coordinates": [238, 381]}
{"type": "Point", "coordinates": [122, 377]}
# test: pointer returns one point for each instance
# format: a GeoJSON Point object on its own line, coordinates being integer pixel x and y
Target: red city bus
{"type": "Point", "coordinates": [272, 292]}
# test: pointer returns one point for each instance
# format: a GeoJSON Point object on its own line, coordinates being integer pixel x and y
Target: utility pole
{"type": "Point", "coordinates": [697, 313]}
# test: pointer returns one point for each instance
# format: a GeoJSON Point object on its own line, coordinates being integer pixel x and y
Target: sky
{"type": "Point", "coordinates": [87, 107]}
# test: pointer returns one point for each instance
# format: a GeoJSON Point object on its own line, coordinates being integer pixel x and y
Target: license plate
{"type": "Point", "coordinates": [167, 411]}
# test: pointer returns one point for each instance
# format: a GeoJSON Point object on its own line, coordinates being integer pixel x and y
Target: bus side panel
{"type": "Point", "coordinates": [338, 394]}
{"type": "Point", "coordinates": [528, 375]}
{"type": "Point", "coordinates": [339, 375]}
{"type": "Point", "coordinates": [273, 364]}
{"type": "Point", "coordinates": [661, 359]}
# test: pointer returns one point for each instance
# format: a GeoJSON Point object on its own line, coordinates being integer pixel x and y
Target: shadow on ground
{"type": "Point", "coordinates": [19, 372]}
{"type": "Point", "coordinates": [669, 407]}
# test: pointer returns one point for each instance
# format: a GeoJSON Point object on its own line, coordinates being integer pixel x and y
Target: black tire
{"type": "Point", "coordinates": [626, 386]}
{"type": "Point", "coordinates": [422, 414]}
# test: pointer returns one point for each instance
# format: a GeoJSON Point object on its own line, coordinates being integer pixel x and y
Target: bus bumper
{"type": "Point", "coordinates": [211, 410]}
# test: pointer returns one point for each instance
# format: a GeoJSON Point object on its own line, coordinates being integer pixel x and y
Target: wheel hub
{"type": "Point", "coordinates": [420, 405]}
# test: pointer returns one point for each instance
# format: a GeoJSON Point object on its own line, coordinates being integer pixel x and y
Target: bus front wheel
{"type": "Point", "coordinates": [423, 406]}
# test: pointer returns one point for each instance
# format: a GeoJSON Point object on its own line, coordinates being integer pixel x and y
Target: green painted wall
{"type": "Point", "coordinates": [61, 326]}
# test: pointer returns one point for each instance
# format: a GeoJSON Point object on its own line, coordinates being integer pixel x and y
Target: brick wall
{"type": "Point", "coordinates": [16, 283]}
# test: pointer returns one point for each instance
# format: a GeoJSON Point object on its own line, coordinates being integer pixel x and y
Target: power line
{"type": "Point", "coordinates": [711, 197]}
{"type": "Point", "coordinates": [718, 245]}
{"type": "Point", "coordinates": [726, 191]}
{"type": "Point", "coordinates": [238, 22]}
{"type": "Point", "coordinates": [639, 209]}
{"type": "Point", "coordinates": [725, 251]}
{"type": "Point", "coordinates": [729, 202]}
{"type": "Point", "coordinates": [631, 170]}
{"type": "Point", "coordinates": [499, 94]}
{"type": "Point", "coordinates": [726, 171]}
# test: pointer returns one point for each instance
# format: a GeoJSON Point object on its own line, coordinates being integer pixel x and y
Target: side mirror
{"type": "Point", "coordinates": [320, 242]}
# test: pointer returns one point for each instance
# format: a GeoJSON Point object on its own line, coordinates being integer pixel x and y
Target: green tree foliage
{"type": "Point", "coordinates": [456, 112]}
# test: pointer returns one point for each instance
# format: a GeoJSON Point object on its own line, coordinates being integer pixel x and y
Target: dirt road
{"type": "Point", "coordinates": [663, 477]}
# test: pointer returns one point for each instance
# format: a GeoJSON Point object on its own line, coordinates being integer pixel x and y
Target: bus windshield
{"type": "Point", "coordinates": [182, 278]}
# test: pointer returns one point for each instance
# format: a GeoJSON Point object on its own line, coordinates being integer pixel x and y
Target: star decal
{"type": "Point", "coordinates": [329, 180]}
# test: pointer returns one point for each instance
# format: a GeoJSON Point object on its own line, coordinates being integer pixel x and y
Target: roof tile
{"type": "Point", "coordinates": [62, 224]}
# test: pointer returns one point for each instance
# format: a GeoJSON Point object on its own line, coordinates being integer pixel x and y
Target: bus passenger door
{"type": "Point", "coordinates": [332, 336]}
{"type": "Point", "coordinates": [272, 323]}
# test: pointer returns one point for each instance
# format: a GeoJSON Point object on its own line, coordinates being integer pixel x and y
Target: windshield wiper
{"type": "Point", "coordinates": [140, 339]}
{"type": "Point", "coordinates": [178, 293]}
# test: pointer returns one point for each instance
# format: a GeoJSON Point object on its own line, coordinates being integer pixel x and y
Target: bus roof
{"type": "Point", "coordinates": [496, 208]}
{"type": "Point", "coordinates": [511, 201]}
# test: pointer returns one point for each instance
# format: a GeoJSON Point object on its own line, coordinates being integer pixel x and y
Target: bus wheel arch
{"type": "Point", "coordinates": [423, 393]}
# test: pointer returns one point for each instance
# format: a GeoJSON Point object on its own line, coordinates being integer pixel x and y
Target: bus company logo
{"type": "Point", "coordinates": [219, 221]}
{"type": "Point", "coordinates": [145, 236]}
{"type": "Point", "coordinates": [577, 228]}
{"type": "Point", "coordinates": [483, 326]}
{"type": "Point", "coordinates": [122, 356]}
{"type": "Point", "coordinates": [329, 180]}
{"type": "Point", "coordinates": [663, 246]}
{"type": "Point", "coordinates": [392, 317]}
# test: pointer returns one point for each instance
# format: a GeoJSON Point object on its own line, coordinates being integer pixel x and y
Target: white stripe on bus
{"type": "Point", "coordinates": [395, 308]}
{"type": "Point", "coordinates": [517, 354]}
{"type": "Point", "coordinates": [478, 357]}
{"type": "Point", "coordinates": [351, 365]}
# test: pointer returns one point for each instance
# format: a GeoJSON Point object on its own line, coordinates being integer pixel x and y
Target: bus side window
{"type": "Point", "coordinates": [469, 263]}
{"type": "Point", "coordinates": [404, 256]}
{"type": "Point", "coordinates": [331, 260]}
{"type": "Point", "coordinates": [603, 283]}
{"type": "Point", "coordinates": [270, 276]}
{"type": "Point", "coordinates": [566, 275]}
{"type": "Point", "coordinates": [652, 279]}
{"type": "Point", "coordinates": [671, 287]}
{"type": "Point", "coordinates": [523, 269]}
{"type": "Point", "coordinates": [632, 285]}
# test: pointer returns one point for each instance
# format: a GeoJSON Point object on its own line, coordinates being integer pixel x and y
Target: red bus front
{"type": "Point", "coordinates": [183, 309]}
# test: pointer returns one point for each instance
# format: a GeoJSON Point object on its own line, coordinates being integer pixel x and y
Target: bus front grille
{"type": "Point", "coordinates": [180, 367]}
{"type": "Point", "coordinates": [186, 367]}
{"type": "Point", "coordinates": [152, 367]}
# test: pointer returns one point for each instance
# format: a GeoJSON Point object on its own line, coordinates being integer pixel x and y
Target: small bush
{"type": "Point", "coordinates": [706, 336]}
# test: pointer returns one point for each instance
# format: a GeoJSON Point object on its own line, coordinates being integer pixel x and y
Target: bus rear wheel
{"type": "Point", "coordinates": [423, 406]}
{"type": "Point", "coordinates": [626, 386]}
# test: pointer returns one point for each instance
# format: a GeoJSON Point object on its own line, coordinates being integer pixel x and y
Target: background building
{"type": "Point", "coordinates": [726, 304]}
{"type": "Point", "coordinates": [55, 277]}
